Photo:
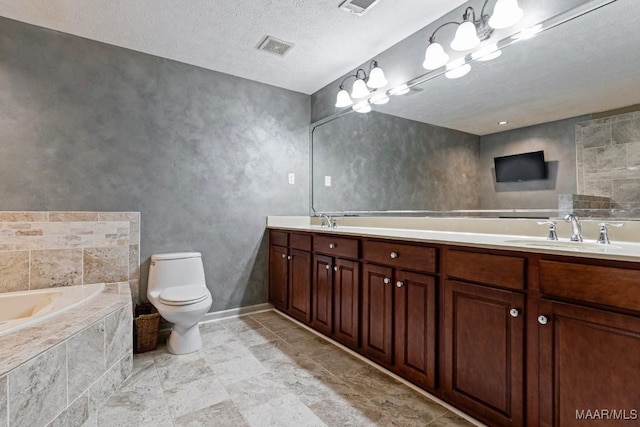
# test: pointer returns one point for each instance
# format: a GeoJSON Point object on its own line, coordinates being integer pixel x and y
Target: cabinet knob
{"type": "Point", "coordinates": [332, 245]}
{"type": "Point", "coordinates": [394, 255]}
{"type": "Point", "coordinates": [284, 256]}
{"type": "Point", "coordinates": [514, 312]}
{"type": "Point", "coordinates": [289, 257]}
{"type": "Point", "coordinates": [336, 268]}
{"type": "Point", "coordinates": [399, 284]}
{"type": "Point", "coordinates": [328, 267]}
{"type": "Point", "coordinates": [543, 320]}
{"type": "Point", "coordinates": [386, 280]}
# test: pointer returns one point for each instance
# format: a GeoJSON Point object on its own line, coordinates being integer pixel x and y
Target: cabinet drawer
{"type": "Point", "coordinates": [336, 246]}
{"type": "Point", "coordinates": [498, 270]}
{"type": "Point", "coordinates": [279, 238]}
{"type": "Point", "coordinates": [617, 287]}
{"type": "Point", "coordinates": [300, 241]}
{"type": "Point", "coordinates": [400, 255]}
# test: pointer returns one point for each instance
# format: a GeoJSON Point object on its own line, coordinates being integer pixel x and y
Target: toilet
{"type": "Point", "coordinates": [177, 289]}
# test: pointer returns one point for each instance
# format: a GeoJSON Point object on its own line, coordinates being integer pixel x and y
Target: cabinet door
{"type": "Point", "coordinates": [484, 352]}
{"type": "Point", "coordinates": [377, 312]}
{"type": "Point", "coordinates": [415, 328]}
{"type": "Point", "coordinates": [589, 366]}
{"type": "Point", "coordinates": [278, 276]}
{"type": "Point", "coordinates": [322, 312]}
{"type": "Point", "coordinates": [346, 292]}
{"type": "Point", "coordinates": [300, 285]}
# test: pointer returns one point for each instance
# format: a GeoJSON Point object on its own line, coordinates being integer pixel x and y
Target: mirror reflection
{"type": "Point", "coordinates": [433, 149]}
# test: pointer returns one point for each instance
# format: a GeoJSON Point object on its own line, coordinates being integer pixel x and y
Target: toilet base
{"type": "Point", "coordinates": [184, 340]}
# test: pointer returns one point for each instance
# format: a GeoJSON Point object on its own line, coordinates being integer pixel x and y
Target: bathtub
{"type": "Point", "coordinates": [22, 309]}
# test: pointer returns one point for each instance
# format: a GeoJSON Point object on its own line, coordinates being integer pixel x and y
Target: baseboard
{"type": "Point", "coordinates": [236, 312]}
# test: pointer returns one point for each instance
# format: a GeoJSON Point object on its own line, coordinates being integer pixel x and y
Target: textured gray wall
{"type": "Point", "coordinates": [202, 155]}
{"type": "Point", "coordinates": [557, 139]}
{"type": "Point", "coordinates": [382, 162]}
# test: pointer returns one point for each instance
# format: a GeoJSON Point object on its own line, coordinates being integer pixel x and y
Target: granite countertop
{"type": "Point", "coordinates": [25, 344]}
{"type": "Point", "coordinates": [617, 250]}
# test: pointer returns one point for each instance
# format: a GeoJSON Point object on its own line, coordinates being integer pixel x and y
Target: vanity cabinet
{"type": "Point", "coordinates": [399, 317]}
{"type": "Point", "coordinates": [336, 289]}
{"type": "Point", "coordinates": [589, 356]}
{"type": "Point", "coordinates": [278, 276]}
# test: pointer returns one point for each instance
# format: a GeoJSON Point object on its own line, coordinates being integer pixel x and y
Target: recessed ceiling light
{"type": "Point", "coordinates": [503, 122]}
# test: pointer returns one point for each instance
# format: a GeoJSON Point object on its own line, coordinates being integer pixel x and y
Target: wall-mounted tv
{"type": "Point", "coordinates": [520, 167]}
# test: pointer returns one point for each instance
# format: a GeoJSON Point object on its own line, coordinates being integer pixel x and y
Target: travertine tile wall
{"type": "Point", "coordinates": [583, 204]}
{"type": "Point", "coordinates": [50, 249]}
{"type": "Point", "coordinates": [608, 159]}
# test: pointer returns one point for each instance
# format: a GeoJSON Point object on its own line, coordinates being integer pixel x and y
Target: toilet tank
{"type": "Point", "coordinates": [174, 269]}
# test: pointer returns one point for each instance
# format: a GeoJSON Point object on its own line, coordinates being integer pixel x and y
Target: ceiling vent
{"type": "Point", "coordinates": [275, 46]}
{"type": "Point", "coordinates": [358, 7]}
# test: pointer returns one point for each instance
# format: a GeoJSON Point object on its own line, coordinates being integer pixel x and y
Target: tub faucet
{"type": "Point", "coordinates": [576, 228]}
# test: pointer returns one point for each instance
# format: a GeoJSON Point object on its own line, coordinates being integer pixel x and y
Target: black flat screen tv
{"type": "Point", "coordinates": [521, 167]}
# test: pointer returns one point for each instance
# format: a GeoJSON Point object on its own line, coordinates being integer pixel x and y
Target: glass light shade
{"type": "Point", "coordinates": [359, 89]}
{"type": "Point", "coordinates": [400, 90]}
{"type": "Point", "coordinates": [505, 14]}
{"type": "Point", "coordinates": [434, 57]}
{"type": "Point", "coordinates": [466, 37]}
{"type": "Point", "coordinates": [379, 99]}
{"type": "Point", "coordinates": [343, 99]}
{"type": "Point", "coordinates": [362, 107]}
{"type": "Point", "coordinates": [457, 69]}
{"type": "Point", "coordinates": [487, 53]}
{"type": "Point", "coordinates": [377, 79]}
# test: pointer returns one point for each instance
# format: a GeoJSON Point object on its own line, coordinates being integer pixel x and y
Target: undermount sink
{"type": "Point", "coordinates": [563, 244]}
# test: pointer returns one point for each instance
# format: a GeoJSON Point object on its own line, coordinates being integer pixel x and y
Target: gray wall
{"type": "Point", "coordinates": [381, 162]}
{"type": "Point", "coordinates": [557, 139]}
{"type": "Point", "coordinates": [202, 155]}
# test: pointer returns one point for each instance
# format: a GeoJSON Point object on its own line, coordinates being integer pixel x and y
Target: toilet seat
{"type": "Point", "coordinates": [184, 295]}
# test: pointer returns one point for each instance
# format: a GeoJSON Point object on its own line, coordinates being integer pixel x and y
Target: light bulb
{"type": "Point", "coordinates": [343, 99]}
{"type": "Point", "coordinates": [466, 37]}
{"type": "Point", "coordinates": [487, 53]}
{"type": "Point", "coordinates": [379, 99]}
{"type": "Point", "coordinates": [457, 69]}
{"type": "Point", "coordinates": [376, 78]}
{"type": "Point", "coordinates": [362, 107]}
{"type": "Point", "coordinates": [505, 14]}
{"type": "Point", "coordinates": [434, 57]}
{"type": "Point", "coordinates": [359, 89]}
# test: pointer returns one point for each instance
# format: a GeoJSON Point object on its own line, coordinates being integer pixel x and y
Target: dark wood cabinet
{"type": "Point", "coordinates": [377, 313]}
{"type": "Point", "coordinates": [346, 302]}
{"type": "Point", "coordinates": [300, 285]}
{"type": "Point", "coordinates": [589, 361]}
{"type": "Point", "coordinates": [484, 352]}
{"type": "Point", "coordinates": [416, 328]}
{"type": "Point", "coordinates": [278, 276]}
{"type": "Point", "coordinates": [322, 295]}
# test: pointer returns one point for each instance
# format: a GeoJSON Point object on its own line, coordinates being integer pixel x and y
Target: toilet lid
{"type": "Point", "coordinates": [183, 295]}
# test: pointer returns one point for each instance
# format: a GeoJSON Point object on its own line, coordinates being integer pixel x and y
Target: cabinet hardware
{"type": "Point", "coordinates": [514, 312]}
{"type": "Point", "coordinates": [332, 245]}
{"type": "Point", "coordinates": [284, 256]}
{"type": "Point", "coordinates": [289, 257]}
{"type": "Point", "coordinates": [543, 320]}
{"type": "Point", "coordinates": [386, 280]}
{"type": "Point", "coordinates": [336, 268]}
{"type": "Point", "coordinates": [328, 267]}
{"type": "Point", "coordinates": [399, 284]}
{"type": "Point", "coordinates": [394, 255]}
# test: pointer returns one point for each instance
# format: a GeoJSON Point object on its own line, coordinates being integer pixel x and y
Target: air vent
{"type": "Point", "coordinates": [358, 7]}
{"type": "Point", "coordinates": [275, 46]}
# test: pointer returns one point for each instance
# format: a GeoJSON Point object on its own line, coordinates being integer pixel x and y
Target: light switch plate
{"type": "Point", "coordinates": [327, 181]}
{"type": "Point", "coordinates": [292, 178]}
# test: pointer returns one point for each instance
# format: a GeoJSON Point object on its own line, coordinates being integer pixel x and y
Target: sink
{"type": "Point", "coordinates": [564, 244]}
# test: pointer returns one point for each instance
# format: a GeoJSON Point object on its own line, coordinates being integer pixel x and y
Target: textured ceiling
{"type": "Point", "coordinates": [222, 35]}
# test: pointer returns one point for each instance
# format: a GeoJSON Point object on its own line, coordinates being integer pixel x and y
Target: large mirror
{"type": "Point", "coordinates": [433, 149]}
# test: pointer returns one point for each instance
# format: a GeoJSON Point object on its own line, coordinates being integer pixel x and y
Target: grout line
{"type": "Point", "coordinates": [389, 373]}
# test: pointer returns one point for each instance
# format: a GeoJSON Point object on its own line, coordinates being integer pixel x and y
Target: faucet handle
{"type": "Point", "coordinates": [552, 229]}
{"type": "Point", "coordinates": [603, 236]}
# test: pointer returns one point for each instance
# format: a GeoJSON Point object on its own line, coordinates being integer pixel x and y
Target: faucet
{"type": "Point", "coordinates": [576, 229]}
{"type": "Point", "coordinates": [552, 229]}
{"type": "Point", "coordinates": [603, 237]}
{"type": "Point", "coordinates": [331, 222]}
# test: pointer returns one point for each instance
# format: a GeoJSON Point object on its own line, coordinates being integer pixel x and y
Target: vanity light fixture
{"type": "Point", "coordinates": [374, 80]}
{"type": "Point", "coordinates": [362, 107]}
{"type": "Point", "coordinates": [471, 31]}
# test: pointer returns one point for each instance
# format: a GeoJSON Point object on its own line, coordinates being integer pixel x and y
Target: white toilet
{"type": "Point", "coordinates": [177, 289]}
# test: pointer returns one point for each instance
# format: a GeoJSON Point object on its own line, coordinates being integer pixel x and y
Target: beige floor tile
{"type": "Point", "coordinates": [195, 395]}
{"type": "Point", "coordinates": [223, 414]}
{"type": "Point", "coordinates": [241, 324]}
{"type": "Point", "coordinates": [282, 411]}
{"type": "Point", "coordinates": [276, 349]}
{"type": "Point", "coordinates": [257, 391]}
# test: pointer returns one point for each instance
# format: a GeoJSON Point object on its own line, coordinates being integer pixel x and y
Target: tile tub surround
{"type": "Point", "coordinates": [265, 370]}
{"type": "Point", "coordinates": [608, 158]}
{"type": "Point", "coordinates": [49, 249]}
{"type": "Point", "coordinates": [61, 371]}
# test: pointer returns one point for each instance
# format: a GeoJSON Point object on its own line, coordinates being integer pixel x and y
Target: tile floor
{"type": "Point", "coordinates": [264, 370]}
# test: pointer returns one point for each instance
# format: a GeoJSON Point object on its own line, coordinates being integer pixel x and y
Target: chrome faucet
{"type": "Point", "coordinates": [603, 237]}
{"type": "Point", "coordinates": [331, 222]}
{"type": "Point", "coordinates": [552, 229]}
{"type": "Point", "coordinates": [576, 228]}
